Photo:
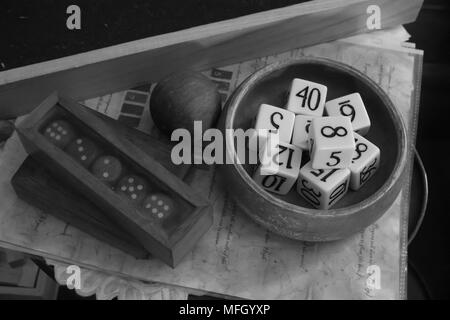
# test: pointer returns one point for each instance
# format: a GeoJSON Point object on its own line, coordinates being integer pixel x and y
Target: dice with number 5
{"type": "Point", "coordinates": [280, 166]}
{"type": "Point", "coordinates": [351, 106]}
{"type": "Point", "coordinates": [365, 162]}
{"type": "Point", "coordinates": [307, 98]}
{"type": "Point", "coordinates": [322, 188]}
{"type": "Point", "coordinates": [331, 142]}
{"type": "Point", "coordinates": [272, 119]}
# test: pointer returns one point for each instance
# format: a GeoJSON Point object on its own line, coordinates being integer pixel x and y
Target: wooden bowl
{"type": "Point", "coordinates": [290, 215]}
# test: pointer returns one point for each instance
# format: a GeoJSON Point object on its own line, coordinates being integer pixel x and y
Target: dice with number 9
{"type": "Point", "coordinates": [351, 106]}
{"type": "Point", "coordinates": [331, 142]}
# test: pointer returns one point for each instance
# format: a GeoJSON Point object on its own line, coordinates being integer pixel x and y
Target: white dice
{"type": "Point", "coordinates": [307, 98]}
{"type": "Point", "coordinates": [275, 120]}
{"type": "Point", "coordinates": [280, 166]}
{"type": "Point", "coordinates": [351, 106]}
{"type": "Point", "coordinates": [365, 162]}
{"type": "Point", "coordinates": [338, 157]}
{"type": "Point", "coordinates": [331, 142]}
{"type": "Point", "coordinates": [300, 135]}
{"type": "Point", "coordinates": [322, 188]}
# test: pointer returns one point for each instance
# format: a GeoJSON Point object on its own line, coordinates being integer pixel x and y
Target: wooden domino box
{"type": "Point", "coordinates": [166, 235]}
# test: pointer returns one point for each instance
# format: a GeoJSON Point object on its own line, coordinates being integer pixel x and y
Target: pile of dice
{"type": "Point", "coordinates": [110, 170]}
{"type": "Point", "coordinates": [339, 156]}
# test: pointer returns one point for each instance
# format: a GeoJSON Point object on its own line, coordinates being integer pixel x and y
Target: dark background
{"type": "Point", "coordinates": [34, 31]}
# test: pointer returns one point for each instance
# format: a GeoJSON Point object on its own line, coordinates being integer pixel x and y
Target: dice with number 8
{"type": "Point", "coordinates": [307, 98]}
{"type": "Point", "coordinates": [365, 162]}
{"type": "Point", "coordinates": [331, 142]}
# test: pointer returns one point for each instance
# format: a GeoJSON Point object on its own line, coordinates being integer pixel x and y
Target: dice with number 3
{"type": "Point", "coordinates": [300, 135]}
{"type": "Point", "coordinates": [307, 98]}
{"type": "Point", "coordinates": [331, 142]}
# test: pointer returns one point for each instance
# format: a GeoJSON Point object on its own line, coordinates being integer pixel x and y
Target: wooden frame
{"type": "Point", "coordinates": [169, 246]}
{"type": "Point", "coordinates": [123, 66]}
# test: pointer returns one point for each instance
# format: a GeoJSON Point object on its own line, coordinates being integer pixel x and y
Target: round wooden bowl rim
{"type": "Point", "coordinates": [290, 208]}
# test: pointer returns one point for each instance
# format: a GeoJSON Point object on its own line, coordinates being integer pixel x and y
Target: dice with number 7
{"type": "Point", "coordinates": [331, 142]}
{"type": "Point", "coordinates": [365, 162]}
{"type": "Point", "coordinates": [351, 106]}
{"type": "Point", "coordinates": [307, 98]}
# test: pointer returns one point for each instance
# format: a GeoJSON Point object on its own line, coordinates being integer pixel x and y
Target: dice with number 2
{"type": "Point", "coordinates": [273, 119]}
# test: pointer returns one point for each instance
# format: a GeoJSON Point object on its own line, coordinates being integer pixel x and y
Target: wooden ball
{"type": "Point", "coordinates": [179, 100]}
{"type": "Point", "coordinates": [6, 129]}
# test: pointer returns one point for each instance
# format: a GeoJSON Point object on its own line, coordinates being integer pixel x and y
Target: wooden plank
{"type": "Point", "coordinates": [123, 66]}
{"type": "Point", "coordinates": [160, 240]}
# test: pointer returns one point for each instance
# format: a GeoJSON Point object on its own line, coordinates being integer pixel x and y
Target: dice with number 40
{"type": "Point", "coordinates": [307, 98]}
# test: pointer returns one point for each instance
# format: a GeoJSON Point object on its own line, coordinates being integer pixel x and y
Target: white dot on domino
{"type": "Point", "coordinates": [140, 187]}
{"type": "Point", "coordinates": [105, 174]}
{"type": "Point", "coordinates": [133, 196]}
{"type": "Point", "coordinates": [83, 158]}
{"type": "Point", "coordinates": [106, 161]}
